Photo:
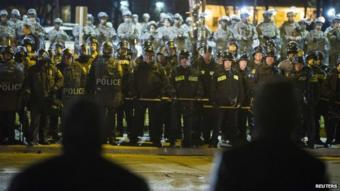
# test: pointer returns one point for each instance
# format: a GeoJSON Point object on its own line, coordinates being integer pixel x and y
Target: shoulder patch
{"type": "Point", "coordinates": [221, 78]}
{"type": "Point", "coordinates": [235, 77]}
{"type": "Point", "coordinates": [211, 73]}
{"type": "Point", "coordinates": [202, 72]}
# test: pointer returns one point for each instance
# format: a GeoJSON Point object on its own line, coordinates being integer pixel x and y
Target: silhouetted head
{"type": "Point", "coordinates": [276, 111]}
{"type": "Point", "coordinates": [82, 127]}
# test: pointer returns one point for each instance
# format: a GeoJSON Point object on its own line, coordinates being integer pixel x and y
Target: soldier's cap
{"type": "Point", "coordinates": [188, 19]}
{"type": "Point", "coordinates": [59, 45]}
{"type": "Point", "coordinates": [235, 18]}
{"type": "Point", "coordinates": [244, 14]}
{"type": "Point", "coordinates": [177, 16]}
{"type": "Point", "coordinates": [270, 53]}
{"type": "Point", "coordinates": [184, 54]}
{"type": "Point", "coordinates": [15, 12]}
{"type": "Point", "coordinates": [134, 15]}
{"type": "Point", "coordinates": [148, 46]}
{"type": "Point", "coordinates": [67, 52]}
{"type": "Point", "coordinates": [7, 50]}
{"type": "Point", "coordinates": [58, 21]}
{"type": "Point", "coordinates": [292, 47]}
{"type": "Point", "coordinates": [320, 20]}
{"type": "Point", "coordinates": [102, 14]}
{"type": "Point", "coordinates": [146, 15]}
{"type": "Point", "coordinates": [90, 16]}
{"type": "Point", "coordinates": [124, 44]}
{"type": "Point", "coordinates": [127, 13]}
{"type": "Point", "coordinates": [91, 40]}
{"type": "Point", "coordinates": [3, 12]}
{"type": "Point", "coordinates": [20, 50]}
{"type": "Point", "coordinates": [168, 17]}
{"type": "Point", "coordinates": [298, 60]}
{"type": "Point", "coordinates": [152, 23]}
{"type": "Point", "coordinates": [32, 12]}
{"type": "Point", "coordinates": [171, 44]}
{"type": "Point", "coordinates": [291, 11]}
{"type": "Point", "coordinates": [228, 56]}
{"type": "Point", "coordinates": [243, 57]}
{"type": "Point", "coordinates": [311, 56]}
{"type": "Point", "coordinates": [269, 12]}
{"type": "Point", "coordinates": [224, 19]}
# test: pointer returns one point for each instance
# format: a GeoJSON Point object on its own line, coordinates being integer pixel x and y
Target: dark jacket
{"type": "Point", "coordinates": [268, 165]}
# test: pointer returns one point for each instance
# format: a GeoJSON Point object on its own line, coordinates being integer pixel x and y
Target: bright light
{"type": "Point", "coordinates": [159, 5]}
{"type": "Point", "coordinates": [124, 3]}
{"type": "Point", "coordinates": [331, 12]}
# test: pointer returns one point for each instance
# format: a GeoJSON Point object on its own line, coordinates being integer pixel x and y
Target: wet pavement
{"type": "Point", "coordinates": [164, 169]}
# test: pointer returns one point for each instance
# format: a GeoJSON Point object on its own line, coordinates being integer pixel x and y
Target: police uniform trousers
{"type": "Point", "coordinates": [125, 111]}
{"type": "Point", "coordinates": [333, 125]}
{"type": "Point", "coordinates": [7, 124]}
{"type": "Point", "coordinates": [226, 121]}
{"type": "Point", "coordinates": [40, 121]}
{"type": "Point", "coordinates": [321, 109]}
{"type": "Point", "coordinates": [154, 121]}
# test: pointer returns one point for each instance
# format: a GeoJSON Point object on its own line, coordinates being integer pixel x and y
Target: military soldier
{"type": "Point", "coordinates": [149, 82]}
{"type": "Point", "coordinates": [286, 65]}
{"type": "Point", "coordinates": [135, 20]}
{"type": "Point", "coordinates": [182, 33]}
{"type": "Point", "coordinates": [16, 22]}
{"type": "Point", "coordinates": [7, 32]}
{"type": "Point", "coordinates": [334, 40]}
{"type": "Point", "coordinates": [104, 31]}
{"type": "Point", "coordinates": [146, 18]}
{"type": "Point", "coordinates": [223, 34]}
{"type": "Point", "coordinates": [41, 85]}
{"type": "Point", "coordinates": [301, 78]}
{"type": "Point", "coordinates": [28, 34]}
{"type": "Point", "coordinates": [151, 33]}
{"type": "Point", "coordinates": [245, 34]}
{"type": "Point", "coordinates": [89, 30]}
{"type": "Point", "coordinates": [171, 55]}
{"type": "Point", "coordinates": [36, 28]}
{"type": "Point", "coordinates": [11, 79]}
{"type": "Point", "coordinates": [226, 90]}
{"type": "Point", "coordinates": [186, 83]}
{"type": "Point", "coordinates": [57, 35]}
{"type": "Point", "coordinates": [105, 84]}
{"type": "Point", "coordinates": [267, 29]}
{"type": "Point", "coordinates": [332, 91]}
{"type": "Point", "coordinates": [128, 31]}
{"type": "Point", "coordinates": [303, 23]}
{"type": "Point", "coordinates": [203, 32]}
{"type": "Point", "coordinates": [167, 31]}
{"type": "Point", "coordinates": [316, 38]}
{"type": "Point", "coordinates": [289, 32]}
{"type": "Point", "coordinates": [234, 19]}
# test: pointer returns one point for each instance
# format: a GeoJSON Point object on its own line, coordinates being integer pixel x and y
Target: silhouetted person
{"type": "Point", "coordinates": [81, 166]}
{"type": "Point", "coordinates": [272, 161]}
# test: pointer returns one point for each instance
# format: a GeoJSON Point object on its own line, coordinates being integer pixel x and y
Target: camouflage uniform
{"type": "Point", "coordinates": [267, 30]}
{"type": "Point", "coordinates": [317, 40]}
{"type": "Point", "coordinates": [89, 30]}
{"type": "Point", "coordinates": [246, 34]}
{"type": "Point", "coordinates": [7, 31]}
{"type": "Point", "coordinates": [223, 34]}
{"type": "Point", "coordinates": [104, 30]}
{"type": "Point", "coordinates": [57, 35]}
{"type": "Point", "coordinates": [334, 40]}
{"type": "Point", "coordinates": [289, 32]}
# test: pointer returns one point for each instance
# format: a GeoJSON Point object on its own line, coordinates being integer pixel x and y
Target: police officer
{"type": "Point", "coordinates": [186, 83]}
{"type": "Point", "coordinates": [289, 32]}
{"type": "Point", "coordinates": [245, 116]}
{"type": "Point", "coordinates": [223, 34]}
{"type": "Point", "coordinates": [126, 66]}
{"type": "Point", "coordinates": [74, 77]}
{"type": "Point", "coordinates": [246, 34]}
{"type": "Point", "coordinates": [7, 32]}
{"type": "Point", "coordinates": [334, 40]}
{"type": "Point", "coordinates": [206, 66]}
{"type": "Point", "coordinates": [301, 78]}
{"type": "Point", "coordinates": [149, 82]}
{"type": "Point", "coordinates": [268, 69]}
{"type": "Point", "coordinates": [28, 34]}
{"type": "Point", "coordinates": [267, 29]}
{"type": "Point", "coordinates": [57, 35]}
{"type": "Point", "coordinates": [105, 84]}
{"type": "Point", "coordinates": [331, 87]}
{"type": "Point", "coordinates": [104, 30]}
{"type": "Point", "coordinates": [85, 59]}
{"type": "Point", "coordinates": [316, 38]}
{"type": "Point", "coordinates": [57, 52]}
{"type": "Point", "coordinates": [227, 90]}
{"type": "Point", "coordinates": [11, 79]}
{"type": "Point", "coordinates": [286, 65]}
{"type": "Point", "coordinates": [182, 33]}
{"type": "Point", "coordinates": [171, 56]}
{"type": "Point", "coordinates": [42, 83]}
{"type": "Point", "coordinates": [94, 47]}
{"type": "Point", "coordinates": [129, 31]}
{"type": "Point", "coordinates": [29, 43]}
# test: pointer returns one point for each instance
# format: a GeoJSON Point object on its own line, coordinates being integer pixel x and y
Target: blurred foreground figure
{"type": "Point", "coordinates": [279, 163]}
{"type": "Point", "coordinates": [81, 166]}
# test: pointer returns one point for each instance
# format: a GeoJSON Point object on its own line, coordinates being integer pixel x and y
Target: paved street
{"type": "Point", "coordinates": [164, 169]}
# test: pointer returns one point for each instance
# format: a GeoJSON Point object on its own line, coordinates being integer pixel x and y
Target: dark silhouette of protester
{"type": "Point", "coordinates": [272, 161]}
{"type": "Point", "coordinates": [81, 166]}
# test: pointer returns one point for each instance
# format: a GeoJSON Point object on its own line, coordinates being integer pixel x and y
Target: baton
{"type": "Point", "coordinates": [224, 107]}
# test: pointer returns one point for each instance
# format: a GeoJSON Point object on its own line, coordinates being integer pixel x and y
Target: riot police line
{"type": "Point", "coordinates": [209, 81]}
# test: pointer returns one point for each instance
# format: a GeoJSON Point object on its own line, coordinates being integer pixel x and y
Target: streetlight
{"type": "Point", "coordinates": [159, 5]}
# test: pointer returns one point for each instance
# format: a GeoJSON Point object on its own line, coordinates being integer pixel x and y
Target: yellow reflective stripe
{"type": "Point", "coordinates": [221, 78]}
{"type": "Point", "coordinates": [235, 77]}
{"type": "Point", "coordinates": [179, 78]}
{"type": "Point", "coordinates": [193, 78]}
